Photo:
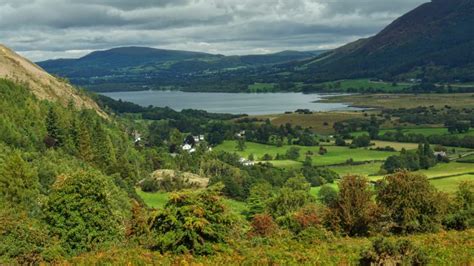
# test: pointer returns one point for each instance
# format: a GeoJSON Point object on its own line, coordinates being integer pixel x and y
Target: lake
{"type": "Point", "coordinates": [232, 103]}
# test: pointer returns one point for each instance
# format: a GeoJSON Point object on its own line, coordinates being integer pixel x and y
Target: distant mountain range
{"type": "Point", "coordinates": [432, 43]}
{"type": "Point", "coordinates": [143, 67]}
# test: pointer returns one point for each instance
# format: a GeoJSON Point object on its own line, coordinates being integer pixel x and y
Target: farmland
{"type": "Point", "coordinates": [425, 131]}
{"type": "Point", "coordinates": [319, 122]}
{"type": "Point", "coordinates": [394, 101]}
{"type": "Point", "coordinates": [335, 154]}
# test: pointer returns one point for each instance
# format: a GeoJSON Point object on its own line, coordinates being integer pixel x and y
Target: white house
{"type": "Point", "coordinates": [187, 147]}
{"type": "Point", "coordinates": [240, 134]}
{"type": "Point", "coordinates": [246, 162]}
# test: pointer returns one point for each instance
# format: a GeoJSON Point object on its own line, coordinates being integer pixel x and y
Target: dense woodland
{"type": "Point", "coordinates": [68, 181]}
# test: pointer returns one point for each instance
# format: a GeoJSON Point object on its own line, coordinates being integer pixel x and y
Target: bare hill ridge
{"type": "Point", "coordinates": [46, 87]}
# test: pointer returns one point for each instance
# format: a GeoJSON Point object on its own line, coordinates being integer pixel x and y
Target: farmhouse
{"type": "Point", "coordinates": [246, 162]}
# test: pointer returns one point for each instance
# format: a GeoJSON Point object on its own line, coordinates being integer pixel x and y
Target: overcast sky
{"type": "Point", "coordinates": [44, 29]}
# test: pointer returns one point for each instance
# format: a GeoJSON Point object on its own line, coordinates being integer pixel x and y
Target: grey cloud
{"type": "Point", "coordinates": [42, 29]}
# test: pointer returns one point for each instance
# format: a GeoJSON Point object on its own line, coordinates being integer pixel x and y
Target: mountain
{"type": "Point", "coordinates": [43, 85]}
{"type": "Point", "coordinates": [432, 42]}
{"type": "Point", "coordinates": [141, 67]}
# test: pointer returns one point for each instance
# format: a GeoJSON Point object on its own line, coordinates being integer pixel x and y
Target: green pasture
{"type": "Point", "coordinates": [261, 87]}
{"type": "Point", "coordinates": [335, 154]}
{"type": "Point", "coordinates": [366, 169]}
{"type": "Point", "coordinates": [158, 200]}
{"type": "Point", "coordinates": [153, 200]}
{"type": "Point", "coordinates": [425, 131]}
{"type": "Point", "coordinates": [451, 184]}
{"type": "Point", "coordinates": [364, 84]}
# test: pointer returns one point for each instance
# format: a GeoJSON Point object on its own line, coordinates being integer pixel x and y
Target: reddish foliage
{"type": "Point", "coordinates": [307, 217]}
{"type": "Point", "coordinates": [263, 225]}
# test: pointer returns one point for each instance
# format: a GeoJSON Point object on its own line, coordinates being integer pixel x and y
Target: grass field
{"type": "Point", "coordinates": [444, 176]}
{"type": "Point", "coordinates": [393, 101]}
{"type": "Point", "coordinates": [158, 200]}
{"type": "Point", "coordinates": [261, 87]}
{"type": "Point", "coordinates": [396, 145]}
{"type": "Point", "coordinates": [449, 169]}
{"type": "Point", "coordinates": [365, 84]}
{"type": "Point", "coordinates": [319, 122]}
{"type": "Point", "coordinates": [153, 200]}
{"type": "Point", "coordinates": [335, 155]}
{"type": "Point", "coordinates": [426, 131]}
{"type": "Point", "coordinates": [366, 169]}
{"type": "Point", "coordinates": [467, 159]}
{"type": "Point", "coordinates": [451, 184]}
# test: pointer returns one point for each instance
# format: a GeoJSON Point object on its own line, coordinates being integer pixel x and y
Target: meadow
{"type": "Point", "coordinates": [335, 155]}
{"type": "Point", "coordinates": [365, 84]}
{"type": "Point", "coordinates": [426, 131]}
{"type": "Point", "coordinates": [319, 122]}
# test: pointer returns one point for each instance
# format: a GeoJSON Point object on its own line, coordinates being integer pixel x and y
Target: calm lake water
{"type": "Point", "coordinates": [232, 103]}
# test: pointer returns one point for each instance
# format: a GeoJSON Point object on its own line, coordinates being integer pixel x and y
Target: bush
{"type": "Point", "coordinates": [86, 210]}
{"type": "Point", "coordinates": [25, 241]}
{"type": "Point", "coordinates": [353, 213]}
{"type": "Point", "coordinates": [413, 203]}
{"type": "Point", "coordinates": [192, 222]}
{"type": "Point", "coordinates": [361, 141]}
{"type": "Point", "coordinates": [150, 184]}
{"type": "Point", "coordinates": [461, 210]}
{"type": "Point", "coordinates": [293, 153]}
{"type": "Point", "coordinates": [340, 142]}
{"type": "Point", "coordinates": [304, 218]}
{"type": "Point", "coordinates": [328, 195]}
{"type": "Point", "coordinates": [318, 176]}
{"type": "Point", "coordinates": [386, 252]}
{"type": "Point", "coordinates": [294, 195]}
{"type": "Point", "coordinates": [263, 225]}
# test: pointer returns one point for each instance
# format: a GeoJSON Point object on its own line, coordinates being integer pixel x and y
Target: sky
{"type": "Point", "coordinates": [49, 29]}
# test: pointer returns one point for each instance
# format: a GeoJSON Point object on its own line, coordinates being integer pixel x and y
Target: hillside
{"type": "Point", "coordinates": [136, 68]}
{"type": "Point", "coordinates": [432, 42]}
{"type": "Point", "coordinates": [43, 85]}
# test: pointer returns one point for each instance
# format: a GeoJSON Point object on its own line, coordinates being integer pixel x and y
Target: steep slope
{"type": "Point", "coordinates": [138, 67]}
{"type": "Point", "coordinates": [43, 85]}
{"type": "Point", "coordinates": [433, 42]}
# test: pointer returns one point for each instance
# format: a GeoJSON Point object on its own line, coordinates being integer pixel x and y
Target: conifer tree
{"type": "Point", "coordinates": [53, 127]}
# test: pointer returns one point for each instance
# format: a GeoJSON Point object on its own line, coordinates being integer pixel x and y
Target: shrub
{"type": "Point", "coordinates": [293, 153]}
{"type": "Point", "coordinates": [328, 195]}
{"type": "Point", "coordinates": [318, 176]}
{"type": "Point", "coordinates": [85, 210]}
{"type": "Point", "coordinates": [461, 210]}
{"type": "Point", "coordinates": [25, 241]}
{"type": "Point", "coordinates": [262, 225]}
{"type": "Point", "coordinates": [361, 141]}
{"type": "Point", "coordinates": [353, 212]}
{"type": "Point", "coordinates": [315, 235]}
{"type": "Point", "coordinates": [150, 184]}
{"type": "Point", "coordinates": [340, 142]}
{"type": "Point", "coordinates": [294, 195]}
{"type": "Point", "coordinates": [304, 218]}
{"type": "Point", "coordinates": [386, 252]}
{"type": "Point", "coordinates": [414, 204]}
{"type": "Point", "coordinates": [192, 222]}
